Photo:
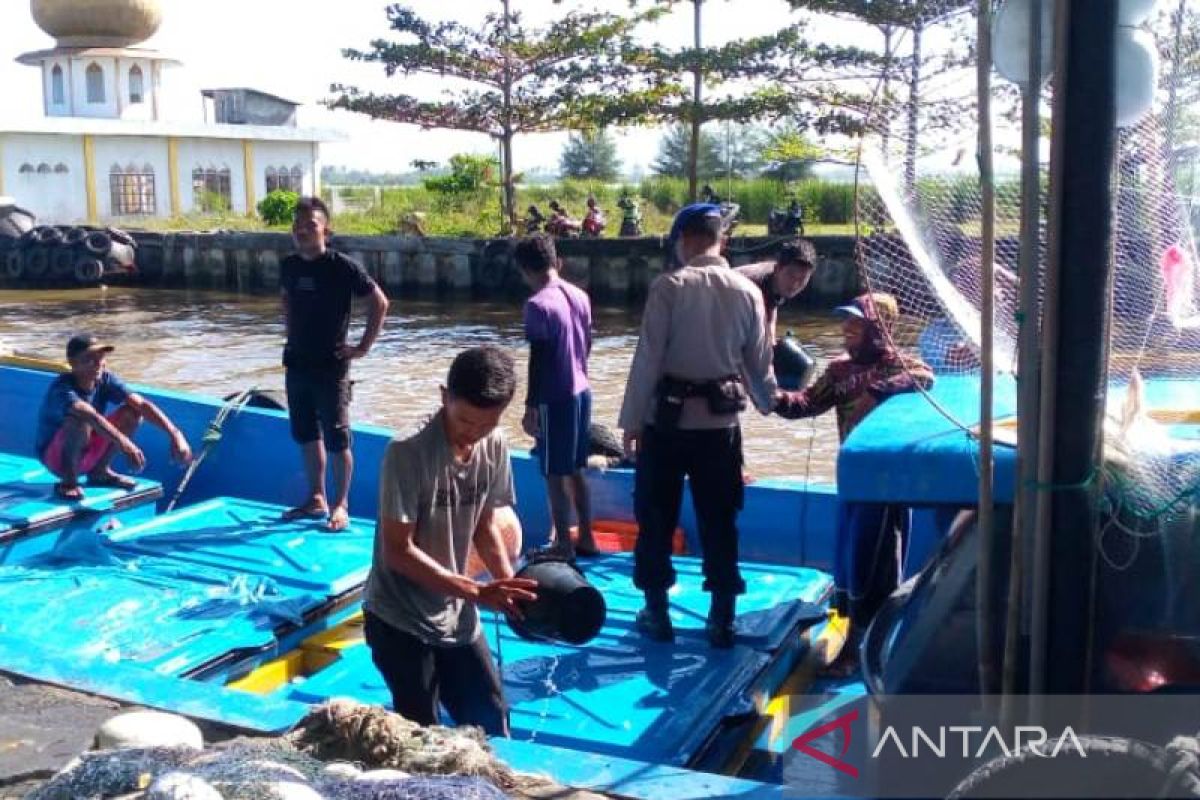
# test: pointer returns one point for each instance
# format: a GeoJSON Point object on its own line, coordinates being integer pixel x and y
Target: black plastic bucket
{"type": "Point", "coordinates": [794, 368]}
{"type": "Point", "coordinates": [567, 609]}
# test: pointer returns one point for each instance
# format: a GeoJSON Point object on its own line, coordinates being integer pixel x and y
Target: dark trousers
{"type": "Point", "coordinates": [871, 546]}
{"type": "Point", "coordinates": [420, 676]}
{"type": "Point", "coordinates": [712, 462]}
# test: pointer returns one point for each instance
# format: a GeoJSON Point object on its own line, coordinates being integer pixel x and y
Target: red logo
{"type": "Point", "coordinates": [842, 723]}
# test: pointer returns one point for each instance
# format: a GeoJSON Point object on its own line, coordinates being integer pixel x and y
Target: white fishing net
{"type": "Point", "coordinates": [919, 219]}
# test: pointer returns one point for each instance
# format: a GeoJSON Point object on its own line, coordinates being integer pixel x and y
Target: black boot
{"type": "Point", "coordinates": [654, 621]}
{"type": "Point", "coordinates": [720, 620]}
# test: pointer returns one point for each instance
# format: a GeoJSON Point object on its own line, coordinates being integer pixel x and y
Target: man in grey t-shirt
{"type": "Point", "coordinates": [437, 493]}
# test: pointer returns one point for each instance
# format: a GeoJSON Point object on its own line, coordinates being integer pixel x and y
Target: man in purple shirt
{"type": "Point", "coordinates": [558, 406]}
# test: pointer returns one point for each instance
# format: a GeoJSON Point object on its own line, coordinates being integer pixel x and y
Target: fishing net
{"type": "Point", "coordinates": [919, 218]}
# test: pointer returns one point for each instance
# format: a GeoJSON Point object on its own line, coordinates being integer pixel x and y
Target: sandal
{"type": "Point", "coordinates": [72, 493]}
{"type": "Point", "coordinates": [112, 480]}
{"type": "Point", "coordinates": [304, 512]}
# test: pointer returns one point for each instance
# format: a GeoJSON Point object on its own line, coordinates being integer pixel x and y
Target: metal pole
{"type": "Point", "coordinates": [1027, 347]}
{"type": "Point", "coordinates": [1081, 214]}
{"type": "Point", "coordinates": [697, 79]}
{"type": "Point", "coordinates": [985, 573]}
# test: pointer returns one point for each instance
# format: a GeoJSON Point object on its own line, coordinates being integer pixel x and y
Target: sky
{"type": "Point", "coordinates": [293, 48]}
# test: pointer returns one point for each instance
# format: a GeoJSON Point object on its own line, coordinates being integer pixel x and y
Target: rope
{"type": "Point", "coordinates": [210, 439]}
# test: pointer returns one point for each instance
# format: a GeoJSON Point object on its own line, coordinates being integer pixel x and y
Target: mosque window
{"type": "Point", "coordinates": [211, 189]}
{"type": "Point", "coordinates": [285, 180]}
{"type": "Point", "coordinates": [95, 84]}
{"type": "Point", "coordinates": [44, 169]}
{"type": "Point", "coordinates": [132, 190]}
{"type": "Point", "coordinates": [136, 88]}
{"type": "Point", "coordinates": [57, 91]}
{"type": "Point", "coordinates": [25, 169]}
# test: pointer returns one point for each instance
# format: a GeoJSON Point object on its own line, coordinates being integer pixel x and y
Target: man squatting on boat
{"type": "Point", "coordinates": [75, 436]}
{"type": "Point", "coordinates": [318, 285]}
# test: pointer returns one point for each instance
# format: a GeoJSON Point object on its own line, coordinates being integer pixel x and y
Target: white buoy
{"type": "Point", "coordinates": [1010, 40]}
{"type": "Point", "coordinates": [149, 729]}
{"type": "Point", "coordinates": [383, 775]}
{"type": "Point", "coordinates": [1137, 75]}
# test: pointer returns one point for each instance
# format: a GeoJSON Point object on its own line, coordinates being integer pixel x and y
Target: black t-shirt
{"type": "Point", "coordinates": [319, 296]}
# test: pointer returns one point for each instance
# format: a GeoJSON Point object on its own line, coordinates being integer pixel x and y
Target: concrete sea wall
{"type": "Point", "coordinates": [612, 270]}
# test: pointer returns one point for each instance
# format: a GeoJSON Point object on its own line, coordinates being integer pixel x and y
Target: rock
{"type": "Point", "coordinates": [287, 790]}
{"type": "Point", "coordinates": [149, 729]}
{"type": "Point", "coordinates": [383, 775]}
{"type": "Point", "coordinates": [181, 786]}
{"type": "Point", "coordinates": [342, 769]}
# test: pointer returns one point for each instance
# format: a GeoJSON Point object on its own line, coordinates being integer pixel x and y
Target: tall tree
{"type": "Point", "coordinates": [513, 79]}
{"type": "Point", "coordinates": [674, 154]}
{"type": "Point", "coordinates": [763, 61]}
{"type": "Point", "coordinates": [895, 20]}
{"type": "Point", "coordinates": [590, 155]}
{"type": "Point", "coordinates": [787, 155]}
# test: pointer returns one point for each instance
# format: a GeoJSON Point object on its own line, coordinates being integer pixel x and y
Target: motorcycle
{"type": "Point", "coordinates": [561, 225]}
{"type": "Point", "coordinates": [534, 220]}
{"type": "Point", "coordinates": [786, 223]}
{"type": "Point", "coordinates": [631, 216]}
{"type": "Point", "coordinates": [594, 221]}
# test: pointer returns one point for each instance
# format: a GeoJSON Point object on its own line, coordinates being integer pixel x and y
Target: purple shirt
{"type": "Point", "coordinates": [558, 325]}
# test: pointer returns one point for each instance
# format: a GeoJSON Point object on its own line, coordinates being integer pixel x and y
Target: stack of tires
{"type": "Point", "coordinates": [63, 255]}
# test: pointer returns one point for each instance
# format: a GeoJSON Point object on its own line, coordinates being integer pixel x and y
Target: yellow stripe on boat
{"type": "Point", "coordinates": [312, 655]}
{"type": "Point", "coordinates": [34, 362]}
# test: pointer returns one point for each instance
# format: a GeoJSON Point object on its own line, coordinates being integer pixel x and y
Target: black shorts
{"type": "Point", "coordinates": [319, 407]}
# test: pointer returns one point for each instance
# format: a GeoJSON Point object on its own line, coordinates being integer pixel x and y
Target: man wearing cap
{"type": "Point", "coordinates": [703, 344]}
{"type": "Point", "coordinates": [784, 278]}
{"type": "Point", "coordinates": [74, 437]}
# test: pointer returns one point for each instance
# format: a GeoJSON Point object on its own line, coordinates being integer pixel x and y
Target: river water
{"type": "Point", "coordinates": [216, 343]}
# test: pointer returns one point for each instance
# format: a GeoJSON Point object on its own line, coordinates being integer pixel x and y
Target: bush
{"type": "Point", "coordinates": [278, 207]}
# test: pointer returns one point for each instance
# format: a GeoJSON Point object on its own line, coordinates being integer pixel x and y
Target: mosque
{"type": "Point", "coordinates": [104, 150]}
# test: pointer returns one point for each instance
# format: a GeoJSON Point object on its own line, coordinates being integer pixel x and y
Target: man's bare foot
{"type": "Point", "coordinates": [313, 509]}
{"type": "Point", "coordinates": [339, 519]}
{"type": "Point", "coordinates": [68, 491]}
{"type": "Point", "coordinates": [112, 479]}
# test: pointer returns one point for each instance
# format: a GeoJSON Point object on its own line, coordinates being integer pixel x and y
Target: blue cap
{"type": "Point", "coordinates": [850, 311]}
{"type": "Point", "coordinates": [687, 215]}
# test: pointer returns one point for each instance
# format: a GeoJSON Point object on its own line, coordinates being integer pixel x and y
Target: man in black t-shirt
{"type": "Point", "coordinates": [318, 286]}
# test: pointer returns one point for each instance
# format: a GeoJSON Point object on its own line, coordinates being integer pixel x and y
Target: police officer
{"type": "Point", "coordinates": [703, 348]}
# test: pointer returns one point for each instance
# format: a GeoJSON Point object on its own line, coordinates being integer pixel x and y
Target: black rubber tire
{"type": "Point", "coordinates": [37, 263]}
{"type": "Point", "coordinates": [262, 398]}
{"type": "Point", "coordinates": [1113, 767]}
{"type": "Point", "coordinates": [88, 271]}
{"type": "Point", "coordinates": [62, 263]}
{"type": "Point", "coordinates": [75, 236]}
{"type": "Point", "coordinates": [14, 265]}
{"type": "Point", "coordinates": [98, 243]}
{"type": "Point", "coordinates": [47, 235]}
{"type": "Point", "coordinates": [604, 442]}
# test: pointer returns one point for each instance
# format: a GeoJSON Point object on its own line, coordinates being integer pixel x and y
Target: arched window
{"type": "Point", "coordinates": [44, 168]}
{"type": "Point", "coordinates": [132, 190]}
{"type": "Point", "coordinates": [26, 169]}
{"type": "Point", "coordinates": [136, 90]}
{"type": "Point", "coordinates": [57, 92]}
{"type": "Point", "coordinates": [296, 181]}
{"type": "Point", "coordinates": [95, 83]}
{"type": "Point", "coordinates": [211, 189]}
{"type": "Point", "coordinates": [60, 169]}
{"type": "Point", "coordinates": [272, 180]}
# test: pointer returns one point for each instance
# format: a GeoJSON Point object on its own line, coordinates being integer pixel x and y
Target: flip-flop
{"type": "Point", "coordinates": [72, 494]}
{"type": "Point", "coordinates": [302, 512]}
{"type": "Point", "coordinates": [112, 481]}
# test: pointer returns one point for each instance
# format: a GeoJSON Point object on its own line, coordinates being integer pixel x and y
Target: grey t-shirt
{"type": "Point", "coordinates": [420, 482]}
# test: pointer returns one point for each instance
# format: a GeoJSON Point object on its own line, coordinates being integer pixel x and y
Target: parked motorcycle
{"type": "Point", "coordinates": [631, 216]}
{"type": "Point", "coordinates": [534, 220]}
{"type": "Point", "coordinates": [786, 223]}
{"type": "Point", "coordinates": [561, 225]}
{"type": "Point", "coordinates": [594, 221]}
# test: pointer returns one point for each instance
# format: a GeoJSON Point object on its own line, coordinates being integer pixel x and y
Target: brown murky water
{"type": "Point", "coordinates": [217, 343]}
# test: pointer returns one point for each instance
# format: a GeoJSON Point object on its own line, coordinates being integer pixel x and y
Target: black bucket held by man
{"type": "Point", "coordinates": [567, 609]}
